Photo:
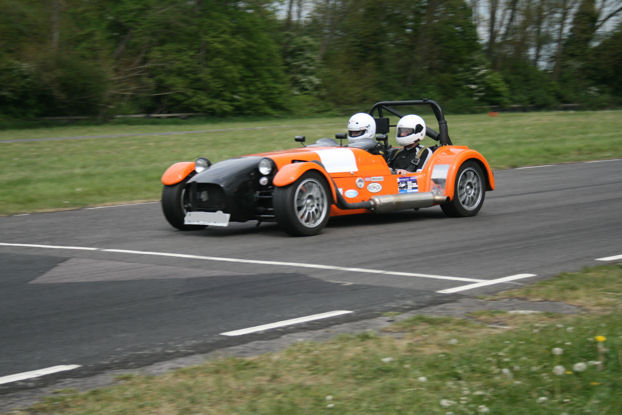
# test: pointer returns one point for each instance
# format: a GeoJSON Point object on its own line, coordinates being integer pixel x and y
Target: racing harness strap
{"type": "Point", "coordinates": [414, 163]}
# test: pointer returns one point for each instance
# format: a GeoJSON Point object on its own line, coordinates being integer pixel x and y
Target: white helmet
{"type": "Point", "coordinates": [410, 129]}
{"type": "Point", "coordinates": [361, 126]}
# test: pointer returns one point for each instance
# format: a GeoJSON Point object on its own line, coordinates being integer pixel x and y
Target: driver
{"type": "Point", "coordinates": [361, 126]}
{"type": "Point", "coordinates": [362, 133]}
{"type": "Point", "coordinates": [412, 156]}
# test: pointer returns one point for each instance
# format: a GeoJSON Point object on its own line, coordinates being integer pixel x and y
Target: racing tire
{"type": "Point", "coordinates": [469, 191]}
{"type": "Point", "coordinates": [303, 207]}
{"type": "Point", "coordinates": [173, 206]}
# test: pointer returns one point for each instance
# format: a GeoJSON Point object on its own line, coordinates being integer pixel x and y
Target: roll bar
{"type": "Point", "coordinates": [442, 136]}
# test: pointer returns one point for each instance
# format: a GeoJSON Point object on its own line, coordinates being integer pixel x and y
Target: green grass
{"type": "Point", "coordinates": [421, 365]}
{"type": "Point", "coordinates": [48, 175]}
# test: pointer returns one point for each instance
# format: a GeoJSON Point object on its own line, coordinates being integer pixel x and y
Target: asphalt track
{"type": "Point", "coordinates": [89, 290]}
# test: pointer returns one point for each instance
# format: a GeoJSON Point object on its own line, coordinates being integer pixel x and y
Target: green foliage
{"type": "Point", "coordinates": [300, 57]}
{"type": "Point", "coordinates": [529, 86]}
{"type": "Point", "coordinates": [221, 58]}
{"type": "Point", "coordinates": [395, 48]}
{"type": "Point", "coordinates": [605, 64]}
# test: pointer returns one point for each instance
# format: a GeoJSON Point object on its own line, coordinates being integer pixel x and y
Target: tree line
{"type": "Point", "coordinates": [255, 57]}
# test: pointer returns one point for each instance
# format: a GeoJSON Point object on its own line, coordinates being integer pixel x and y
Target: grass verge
{"type": "Point", "coordinates": [126, 162]}
{"type": "Point", "coordinates": [537, 364]}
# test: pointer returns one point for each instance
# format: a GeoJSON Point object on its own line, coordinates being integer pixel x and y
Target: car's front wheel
{"type": "Point", "coordinates": [174, 200]}
{"type": "Point", "coordinates": [469, 191]}
{"type": "Point", "coordinates": [303, 207]}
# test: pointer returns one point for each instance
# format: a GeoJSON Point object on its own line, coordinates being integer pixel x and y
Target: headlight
{"type": "Point", "coordinates": [265, 166]}
{"type": "Point", "coordinates": [201, 164]}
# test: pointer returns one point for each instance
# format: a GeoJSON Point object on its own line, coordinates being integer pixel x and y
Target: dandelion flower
{"type": "Point", "coordinates": [542, 399]}
{"type": "Point", "coordinates": [329, 397]}
{"type": "Point", "coordinates": [579, 367]}
{"type": "Point", "coordinates": [422, 379]}
{"type": "Point", "coordinates": [387, 359]}
{"type": "Point", "coordinates": [600, 338]}
{"type": "Point", "coordinates": [557, 351]}
{"type": "Point", "coordinates": [559, 370]}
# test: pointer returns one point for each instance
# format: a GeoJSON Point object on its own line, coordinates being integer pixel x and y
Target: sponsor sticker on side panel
{"type": "Point", "coordinates": [407, 184]}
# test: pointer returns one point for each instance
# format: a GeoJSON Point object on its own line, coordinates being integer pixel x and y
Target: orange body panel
{"type": "Point", "coordinates": [177, 172]}
{"type": "Point", "coordinates": [289, 173]}
{"type": "Point", "coordinates": [367, 167]}
{"type": "Point", "coordinates": [370, 175]}
{"type": "Point", "coordinates": [454, 157]}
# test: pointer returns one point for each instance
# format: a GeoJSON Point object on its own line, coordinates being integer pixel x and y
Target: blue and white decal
{"type": "Point", "coordinates": [407, 184]}
{"type": "Point", "coordinates": [374, 187]}
{"type": "Point", "coordinates": [351, 193]}
{"type": "Point", "coordinates": [338, 160]}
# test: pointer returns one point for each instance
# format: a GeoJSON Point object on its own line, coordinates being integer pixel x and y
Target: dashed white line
{"type": "Point", "coordinates": [485, 283]}
{"type": "Point", "coordinates": [610, 258]}
{"type": "Point", "coordinates": [36, 373]}
{"type": "Point", "coordinates": [286, 323]}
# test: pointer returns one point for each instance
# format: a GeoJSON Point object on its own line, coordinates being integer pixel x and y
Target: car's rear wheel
{"type": "Point", "coordinates": [174, 202]}
{"type": "Point", "coordinates": [303, 207]}
{"type": "Point", "coordinates": [469, 191]}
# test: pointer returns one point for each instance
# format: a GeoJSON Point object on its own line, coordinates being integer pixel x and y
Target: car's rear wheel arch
{"type": "Point", "coordinates": [470, 185]}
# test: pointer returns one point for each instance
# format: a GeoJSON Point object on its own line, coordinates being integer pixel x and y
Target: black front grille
{"type": "Point", "coordinates": [264, 210]}
{"type": "Point", "coordinates": [207, 197]}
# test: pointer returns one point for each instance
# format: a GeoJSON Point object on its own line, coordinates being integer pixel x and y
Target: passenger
{"type": "Point", "coordinates": [412, 156]}
{"type": "Point", "coordinates": [362, 133]}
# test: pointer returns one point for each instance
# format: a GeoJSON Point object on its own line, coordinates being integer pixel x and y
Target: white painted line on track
{"type": "Point", "coordinates": [601, 161]}
{"type": "Point", "coordinates": [610, 258]}
{"type": "Point", "coordinates": [252, 261]}
{"type": "Point", "coordinates": [74, 248]}
{"type": "Point", "coordinates": [285, 323]}
{"type": "Point", "coordinates": [119, 205]}
{"type": "Point", "coordinates": [295, 264]}
{"type": "Point", "coordinates": [534, 167]}
{"type": "Point", "coordinates": [36, 373]}
{"type": "Point", "coordinates": [485, 283]}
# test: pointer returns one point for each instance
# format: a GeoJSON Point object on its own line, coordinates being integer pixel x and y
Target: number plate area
{"type": "Point", "coordinates": [207, 218]}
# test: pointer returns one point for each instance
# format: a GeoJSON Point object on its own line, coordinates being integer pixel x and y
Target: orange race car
{"type": "Point", "coordinates": [302, 188]}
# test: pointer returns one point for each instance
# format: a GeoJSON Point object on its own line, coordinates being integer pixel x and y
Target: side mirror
{"type": "Point", "coordinates": [341, 137]}
{"type": "Point", "coordinates": [300, 139]}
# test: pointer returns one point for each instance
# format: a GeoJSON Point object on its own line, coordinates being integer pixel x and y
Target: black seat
{"type": "Point", "coordinates": [367, 144]}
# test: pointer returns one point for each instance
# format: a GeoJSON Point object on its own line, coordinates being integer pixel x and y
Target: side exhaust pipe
{"type": "Point", "coordinates": [390, 203]}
